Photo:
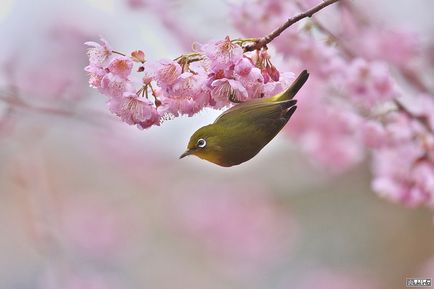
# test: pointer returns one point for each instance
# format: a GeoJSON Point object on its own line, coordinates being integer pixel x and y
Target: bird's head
{"type": "Point", "coordinates": [204, 143]}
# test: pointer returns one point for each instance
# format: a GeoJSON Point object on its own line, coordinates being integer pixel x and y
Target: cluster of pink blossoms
{"type": "Point", "coordinates": [216, 75]}
{"type": "Point", "coordinates": [403, 154]}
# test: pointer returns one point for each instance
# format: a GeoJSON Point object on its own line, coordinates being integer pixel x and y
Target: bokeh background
{"type": "Point", "coordinates": [87, 202]}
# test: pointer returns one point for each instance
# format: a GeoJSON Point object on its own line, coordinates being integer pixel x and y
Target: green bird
{"type": "Point", "coordinates": [239, 133]}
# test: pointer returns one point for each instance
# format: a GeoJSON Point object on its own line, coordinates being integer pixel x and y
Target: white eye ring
{"type": "Point", "coordinates": [201, 143]}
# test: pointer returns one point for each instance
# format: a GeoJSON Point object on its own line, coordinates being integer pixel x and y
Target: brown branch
{"type": "Point", "coordinates": [414, 79]}
{"type": "Point", "coordinates": [262, 42]}
{"type": "Point", "coordinates": [421, 119]}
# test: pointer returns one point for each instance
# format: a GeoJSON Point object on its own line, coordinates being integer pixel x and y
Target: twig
{"type": "Point", "coordinates": [262, 42]}
{"type": "Point", "coordinates": [421, 119]}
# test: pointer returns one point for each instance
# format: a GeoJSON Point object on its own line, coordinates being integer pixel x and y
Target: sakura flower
{"type": "Point", "coordinates": [98, 54]}
{"type": "Point", "coordinates": [401, 175]}
{"type": "Point", "coordinates": [326, 132]}
{"type": "Point", "coordinates": [422, 106]}
{"type": "Point", "coordinates": [135, 110]}
{"type": "Point", "coordinates": [253, 82]}
{"type": "Point", "coordinates": [113, 85]}
{"type": "Point", "coordinates": [223, 89]}
{"type": "Point", "coordinates": [121, 66]}
{"type": "Point", "coordinates": [274, 87]}
{"type": "Point", "coordinates": [96, 74]}
{"type": "Point", "coordinates": [319, 57]}
{"type": "Point", "coordinates": [243, 67]}
{"type": "Point", "coordinates": [222, 53]}
{"type": "Point", "coordinates": [186, 96]}
{"type": "Point", "coordinates": [373, 134]}
{"type": "Point", "coordinates": [396, 46]}
{"type": "Point", "coordinates": [167, 72]}
{"type": "Point", "coordinates": [253, 18]}
{"type": "Point", "coordinates": [369, 84]}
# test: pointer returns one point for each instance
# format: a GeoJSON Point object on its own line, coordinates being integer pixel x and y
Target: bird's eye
{"type": "Point", "coordinates": [201, 143]}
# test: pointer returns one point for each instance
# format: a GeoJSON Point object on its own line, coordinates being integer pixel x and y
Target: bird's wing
{"type": "Point", "coordinates": [256, 111]}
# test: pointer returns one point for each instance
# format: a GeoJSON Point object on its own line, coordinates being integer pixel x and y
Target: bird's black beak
{"type": "Point", "coordinates": [186, 153]}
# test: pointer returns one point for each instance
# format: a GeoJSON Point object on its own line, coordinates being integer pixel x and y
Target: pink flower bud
{"type": "Point", "coordinates": [273, 73]}
{"type": "Point", "coordinates": [138, 56]}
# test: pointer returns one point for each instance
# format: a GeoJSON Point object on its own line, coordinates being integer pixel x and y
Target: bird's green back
{"type": "Point", "coordinates": [253, 125]}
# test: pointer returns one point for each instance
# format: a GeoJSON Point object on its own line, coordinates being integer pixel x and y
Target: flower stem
{"type": "Point", "coordinates": [117, 52]}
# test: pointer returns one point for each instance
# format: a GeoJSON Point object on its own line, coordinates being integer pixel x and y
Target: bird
{"type": "Point", "coordinates": [240, 132]}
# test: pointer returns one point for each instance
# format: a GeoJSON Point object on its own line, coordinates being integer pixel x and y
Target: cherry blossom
{"type": "Point", "coordinates": [369, 84]}
{"type": "Point", "coordinates": [222, 53]}
{"type": "Point", "coordinates": [134, 110]}
{"type": "Point", "coordinates": [98, 53]}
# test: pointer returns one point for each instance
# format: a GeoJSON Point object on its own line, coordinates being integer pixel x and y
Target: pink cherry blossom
{"type": "Point", "coordinates": [135, 110]}
{"type": "Point", "coordinates": [222, 53]}
{"type": "Point", "coordinates": [96, 74]}
{"type": "Point", "coordinates": [373, 134]}
{"type": "Point", "coordinates": [397, 46]}
{"type": "Point", "coordinates": [113, 85]}
{"type": "Point", "coordinates": [253, 83]}
{"type": "Point", "coordinates": [243, 67]}
{"type": "Point", "coordinates": [318, 57]}
{"type": "Point", "coordinates": [186, 96]}
{"type": "Point", "coordinates": [400, 175]}
{"type": "Point", "coordinates": [272, 88]}
{"type": "Point", "coordinates": [224, 88]}
{"type": "Point", "coordinates": [326, 132]}
{"type": "Point", "coordinates": [260, 17]}
{"type": "Point", "coordinates": [98, 54]}
{"type": "Point", "coordinates": [167, 72]}
{"type": "Point", "coordinates": [369, 84]}
{"type": "Point", "coordinates": [121, 66]}
{"type": "Point", "coordinates": [422, 106]}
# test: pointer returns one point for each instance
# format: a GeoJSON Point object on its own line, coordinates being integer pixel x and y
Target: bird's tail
{"type": "Point", "coordinates": [293, 89]}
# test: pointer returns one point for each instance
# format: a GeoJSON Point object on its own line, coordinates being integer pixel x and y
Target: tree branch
{"type": "Point", "coordinates": [262, 42]}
